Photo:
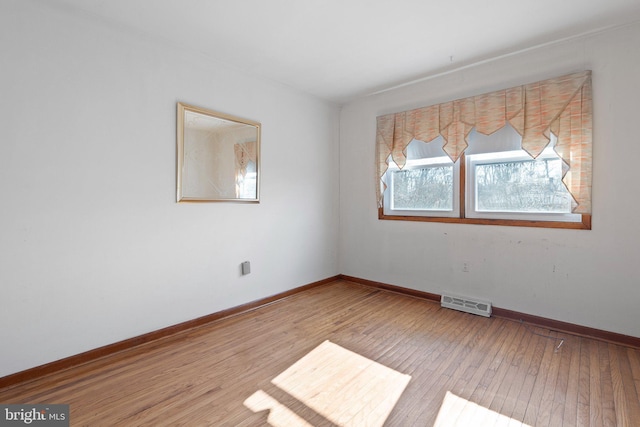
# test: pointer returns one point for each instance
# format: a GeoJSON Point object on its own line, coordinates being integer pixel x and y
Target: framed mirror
{"type": "Point", "coordinates": [218, 157]}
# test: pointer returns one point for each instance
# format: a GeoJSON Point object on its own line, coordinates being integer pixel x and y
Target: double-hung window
{"type": "Point", "coordinates": [526, 164]}
{"type": "Point", "coordinates": [509, 184]}
{"type": "Point", "coordinates": [428, 185]}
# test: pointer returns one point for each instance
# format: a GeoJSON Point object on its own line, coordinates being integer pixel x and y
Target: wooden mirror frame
{"type": "Point", "coordinates": [218, 157]}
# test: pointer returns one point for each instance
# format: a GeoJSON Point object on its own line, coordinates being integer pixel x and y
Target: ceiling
{"type": "Point", "coordinates": [343, 49]}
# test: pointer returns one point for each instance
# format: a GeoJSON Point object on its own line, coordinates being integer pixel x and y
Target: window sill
{"type": "Point", "coordinates": [585, 224]}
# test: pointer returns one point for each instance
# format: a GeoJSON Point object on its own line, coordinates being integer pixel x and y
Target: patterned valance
{"type": "Point", "coordinates": [561, 106]}
{"type": "Point", "coordinates": [245, 153]}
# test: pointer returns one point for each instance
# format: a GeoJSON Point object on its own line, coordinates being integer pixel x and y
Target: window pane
{"type": "Point", "coordinates": [246, 184]}
{"type": "Point", "coordinates": [423, 189]}
{"type": "Point", "coordinates": [524, 186]}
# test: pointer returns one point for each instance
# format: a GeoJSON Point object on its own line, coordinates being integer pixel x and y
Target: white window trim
{"type": "Point", "coordinates": [511, 156]}
{"type": "Point", "coordinates": [416, 164]}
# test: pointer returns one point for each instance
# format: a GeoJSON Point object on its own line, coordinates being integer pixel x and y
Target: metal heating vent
{"type": "Point", "coordinates": [481, 308]}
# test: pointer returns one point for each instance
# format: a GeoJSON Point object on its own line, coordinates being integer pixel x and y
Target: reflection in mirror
{"type": "Point", "coordinates": [218, 156]}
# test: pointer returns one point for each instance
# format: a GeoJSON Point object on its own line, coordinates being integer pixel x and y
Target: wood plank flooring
{"type": "Point", "coordinates": [465, 370]}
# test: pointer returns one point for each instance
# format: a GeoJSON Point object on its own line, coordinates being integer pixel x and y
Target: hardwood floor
{"type": "Point", "coordinates": [465, 370]}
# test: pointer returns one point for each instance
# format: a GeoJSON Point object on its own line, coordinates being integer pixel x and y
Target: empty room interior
{"type": "Point", "coordinates": [430, 216]}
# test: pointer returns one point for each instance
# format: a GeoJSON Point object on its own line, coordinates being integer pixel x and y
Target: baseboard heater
{"type": "Point", "coordinates": [473, 306]}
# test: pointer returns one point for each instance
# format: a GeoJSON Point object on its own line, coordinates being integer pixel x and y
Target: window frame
{"type": "Point", "coordinates": [509, 157]}
{"type": "Point", "coordinates": [423, 164]}
{"type": "Point", "coordinates": [583, 224]}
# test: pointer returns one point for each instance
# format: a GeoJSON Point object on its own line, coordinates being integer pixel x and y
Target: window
{"type": "Point", "coordinates": [513, 186]}
{"type": "Point", "coordinates": [505, 158]}
{"type": "Point", "coordinates": [246, 184]}
{"type": "Point", "coordinates": [501, 181]}
{"type": "Point", "coordinates": [428, 185]}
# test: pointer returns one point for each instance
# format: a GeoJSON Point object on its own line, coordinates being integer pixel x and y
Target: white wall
{"type": "Point", "coordinates": [589, 278]}
{"type": "Point", "coordinates": [93, 247]}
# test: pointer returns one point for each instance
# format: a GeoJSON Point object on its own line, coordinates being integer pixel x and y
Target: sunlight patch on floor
{"type": "Point", "coordinates": [344, 387]}
{"type": "Point", "coordinates": [457, 411]}
{"type": "Point", "coordinates": [279, 415]}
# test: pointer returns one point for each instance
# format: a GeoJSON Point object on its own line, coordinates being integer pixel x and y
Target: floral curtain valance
{"type": "Point", "coordinates": [561, 106]}
{"type": "Point", "coordinates": [245, 153]}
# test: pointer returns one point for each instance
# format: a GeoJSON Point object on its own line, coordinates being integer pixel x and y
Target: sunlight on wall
{"type": "Point", "coordinates": [342, 386]}
{"type": "Point", "coordinates": [457, 411]}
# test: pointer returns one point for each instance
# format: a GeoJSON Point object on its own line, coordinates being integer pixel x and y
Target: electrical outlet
{"type": "Point", "coordinates": [246, 268]}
